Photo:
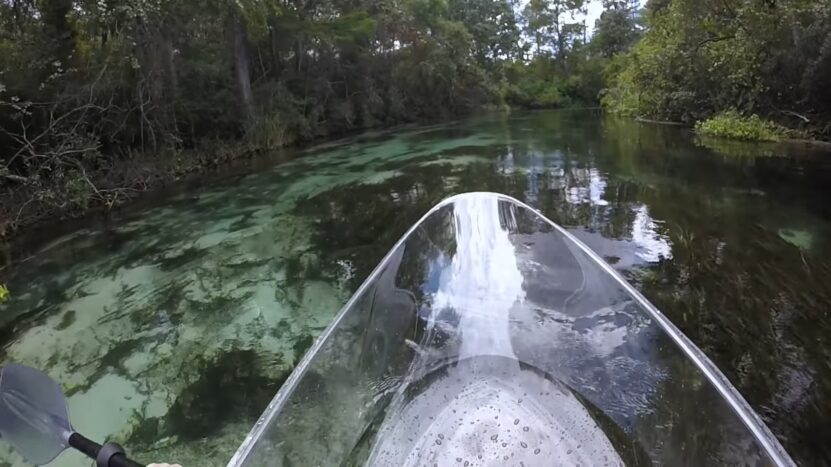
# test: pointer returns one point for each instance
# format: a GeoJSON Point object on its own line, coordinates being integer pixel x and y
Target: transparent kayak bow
{"type": "Point", "coordinates": [491, 336]}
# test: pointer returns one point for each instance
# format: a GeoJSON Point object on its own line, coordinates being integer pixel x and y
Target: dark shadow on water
{"type": "Point", "coordinates": [233, 387]}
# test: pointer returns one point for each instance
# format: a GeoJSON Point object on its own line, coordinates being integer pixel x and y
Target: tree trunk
{"type": "Point", "coordinates": [158, 69]}
{"type": "Point", "coordinates": [172, 82]}
{"type": "Point", "coordinates": [275, 54]}
{"type": "Point", "coordinates": [58, 29]}
{"type": "Point", "coordinates": [298, 55]}
{"type": "Point", "coordinates": [170, 69]}
{"type": "Point", "coordinates": [239, 40]}
{"type": "Point", "coordinates": [558, 30]}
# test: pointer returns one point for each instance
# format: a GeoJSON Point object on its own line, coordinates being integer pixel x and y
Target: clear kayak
{"type": "Point", "coordinates": [489, 335]}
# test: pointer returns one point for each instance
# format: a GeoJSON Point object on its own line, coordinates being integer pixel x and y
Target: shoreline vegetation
{"type": "Point", "coordinates": [733, 125]}
{"type": "Point", "coordinates": [717, 64]}
{"type": "Point", "coordinates": [103, 102]}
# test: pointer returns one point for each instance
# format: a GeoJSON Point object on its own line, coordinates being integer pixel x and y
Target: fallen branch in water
{"type": "Point", "coordinates": [794, 114]}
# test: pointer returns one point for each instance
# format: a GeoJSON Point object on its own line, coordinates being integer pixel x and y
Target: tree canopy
{"type": "Point", "coordinates": [701, 57]}
{"type": "Point", "coordinates": [97, 98]}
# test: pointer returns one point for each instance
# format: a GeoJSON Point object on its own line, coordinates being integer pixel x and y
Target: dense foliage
{"type": "Point", "coordinates": [98, 98]}
{"type": "Point", "coordinates": [99, 77]}
{"type": "Point", "coordinates": [701, 57]}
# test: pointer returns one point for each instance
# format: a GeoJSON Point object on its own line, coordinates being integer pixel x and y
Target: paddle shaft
{"type": "Point", "coordinates": [93, 449]}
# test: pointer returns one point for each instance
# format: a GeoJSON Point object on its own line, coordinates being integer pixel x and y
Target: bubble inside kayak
{"type": "Point", "coordinates": [489, 335]}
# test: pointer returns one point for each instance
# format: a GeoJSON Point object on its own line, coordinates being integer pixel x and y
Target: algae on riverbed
{"type": "Point", "coordinates": [185, 320]}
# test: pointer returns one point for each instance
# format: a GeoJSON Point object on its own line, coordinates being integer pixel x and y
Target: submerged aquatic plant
{"type": "Point", "coordinates": [799, 238]}
{"type": "Point", "coordinates": [4, 293]}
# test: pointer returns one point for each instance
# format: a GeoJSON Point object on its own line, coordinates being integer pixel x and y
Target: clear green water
{"type": "Point", "coordinates": [171, 328]}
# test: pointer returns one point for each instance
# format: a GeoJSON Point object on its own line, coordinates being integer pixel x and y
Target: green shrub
{"type": "Point", "coordinates": [271, 131]}
{"type": "Point", "coordinates": [549, 95]}
{"type": "Point", "coordinates": [77, 190]}
{"type": "Point", "coordinates": [622, 95]}
{"type": "Point", "coordinates": [732, 124]}
{"type": "Point", "coordinates": [538, 94]}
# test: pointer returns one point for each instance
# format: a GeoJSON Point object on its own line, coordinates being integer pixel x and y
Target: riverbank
{"type": "Point", "coordinates": [140, 180]}
{"type": "Point", "coordinates": [798, 136]}
{"type": "Point", "coordinates": [33, 215]}
{"type": "Point", "coordinates": [32, 211]}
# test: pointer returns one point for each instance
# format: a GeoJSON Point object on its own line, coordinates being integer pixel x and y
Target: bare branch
{"type": "Point", "coordinates": [711, 40]}
{"type": "Point", "coordinates": [794, 114]}
{"type": "Point", "coordinates": [16, 178]}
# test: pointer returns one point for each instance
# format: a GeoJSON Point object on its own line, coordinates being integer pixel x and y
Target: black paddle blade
{"type": "Point", "coordinates": [33, 415]}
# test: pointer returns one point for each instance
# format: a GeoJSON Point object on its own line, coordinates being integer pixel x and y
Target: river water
{"type": "Point", "coordinates": [172, 327]}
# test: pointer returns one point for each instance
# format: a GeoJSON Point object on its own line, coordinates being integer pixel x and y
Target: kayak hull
{"type": "Point", "coordinates": [487, 309]}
